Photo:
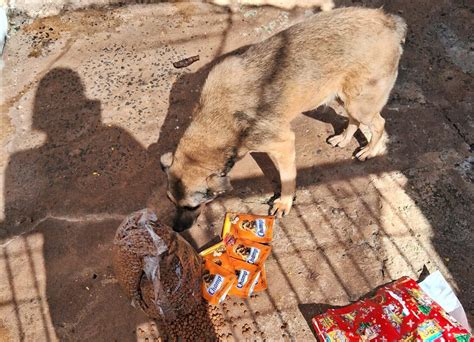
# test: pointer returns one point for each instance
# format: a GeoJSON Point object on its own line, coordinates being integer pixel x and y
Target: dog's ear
{"type": "Point", "coordinates": [218, 184]}
{"type": "Point", "coordinates": [166, 161]}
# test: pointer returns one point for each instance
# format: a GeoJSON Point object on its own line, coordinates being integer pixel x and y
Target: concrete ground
{"type": "Point", "coordinates": [90, 100]}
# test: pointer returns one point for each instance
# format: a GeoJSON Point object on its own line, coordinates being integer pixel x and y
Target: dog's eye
{"type": "Point", "coordinates": [210, 194]}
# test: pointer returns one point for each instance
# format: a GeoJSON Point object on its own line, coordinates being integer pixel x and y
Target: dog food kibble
{"type": "Point", "coordinates": [158, 269]}
{"type": "Point", "coordinates": [204, 323]}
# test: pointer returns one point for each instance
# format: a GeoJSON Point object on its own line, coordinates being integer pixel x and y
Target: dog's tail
{"type": "Point", "coordinates": [400, 26]}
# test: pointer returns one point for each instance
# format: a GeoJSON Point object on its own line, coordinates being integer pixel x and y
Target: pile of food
{"type": "Point", "coordinates": [235, 265]}
{"type": "Point", "coordinates": [157, 268]}
{"type": "Point", "coordinates": [204, 323]}
{"type": "Point", "coordinates": [164, 276]}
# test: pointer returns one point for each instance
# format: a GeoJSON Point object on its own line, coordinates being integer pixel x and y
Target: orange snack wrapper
{"type": "Point", "coordinates": [218, 255]}
{"type": "Point", "coordinates": [246, 250]}
{"type": "Point", "coordinates": [257, 228]}
{"type": "Point", "coordinates": [261, 281]}
{"type": "Point", "coordinates": [247, 277]}
{"type": "Point", "coordinates": [216, 282]}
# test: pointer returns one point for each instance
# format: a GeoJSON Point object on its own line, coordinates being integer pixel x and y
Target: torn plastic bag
{"type": "Point", "coordinates": [439, 290]}
{"type": "Point", "coordinates": [159, 270]}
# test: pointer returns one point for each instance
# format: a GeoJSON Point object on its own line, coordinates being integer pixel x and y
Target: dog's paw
{"type": "Point", "coordinates": [281, 206]}
{"type": "Point", "coordinates": [365, 153]}
{"type": "Point", "coordinates": [338, 140]}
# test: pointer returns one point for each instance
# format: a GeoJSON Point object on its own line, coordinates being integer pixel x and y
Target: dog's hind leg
{"type": "Point", "coordinates": [365, 107]}
{"type": "Point", "coordinates": [366, 111]}
{"type": "Point", "coordinates": [282, 153]}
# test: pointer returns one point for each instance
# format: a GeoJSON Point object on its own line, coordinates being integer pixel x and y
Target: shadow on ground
{"type": "Point", "coordinates": [85, 169]}
{"type": "Point", "coordinates": [83, 180]}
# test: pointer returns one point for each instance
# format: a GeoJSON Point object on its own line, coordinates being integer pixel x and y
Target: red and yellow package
{"type": "Point", "coordinates": [246, 250]}
{"type": "Point", "coordinates": [262, 281]}
{"type": "Point", "coordinates": [257, 228]}
{"type": "Point", "coordinates": [247, 277]}
{"type": "Point", "coordinates": [216, 282]}
{"type": "Point", "coordinates": [400, 311]}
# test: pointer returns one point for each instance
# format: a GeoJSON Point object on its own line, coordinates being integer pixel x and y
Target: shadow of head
{"type": "Point", "coordinates": [100, 168]}
{"type": "Point", "coordinates": [184, 98]}
{"type": "Point", "coordinates": [61, 108]}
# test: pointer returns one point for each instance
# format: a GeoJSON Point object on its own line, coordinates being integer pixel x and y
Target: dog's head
{"type": "Point", "coordinates": [190, 186]}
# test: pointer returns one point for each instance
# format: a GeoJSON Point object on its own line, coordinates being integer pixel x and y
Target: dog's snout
{"type": "Point", "coordinates": [185, 218]}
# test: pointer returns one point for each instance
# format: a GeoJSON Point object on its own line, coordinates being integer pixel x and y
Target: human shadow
{"type": "Point", "coordinates": [74, 190]}
{"type": "Point", "coordinates": [83, 167]}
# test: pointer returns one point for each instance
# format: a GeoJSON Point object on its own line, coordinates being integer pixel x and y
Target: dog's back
{"type": "Point", "coordinates": [328, 45]}
{"type": "Point", "coordinates": [331, 54]}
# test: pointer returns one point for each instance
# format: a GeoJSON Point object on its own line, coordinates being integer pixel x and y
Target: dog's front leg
{"type": "Point", "coordinates": [282, 154]}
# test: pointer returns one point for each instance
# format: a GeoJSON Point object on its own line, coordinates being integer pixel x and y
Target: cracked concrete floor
{"type": "Point", "coordinates": [90, 99]}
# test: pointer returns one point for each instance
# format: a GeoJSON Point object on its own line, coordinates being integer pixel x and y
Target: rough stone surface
{"type": "Point", "coordinates": [90, 100]}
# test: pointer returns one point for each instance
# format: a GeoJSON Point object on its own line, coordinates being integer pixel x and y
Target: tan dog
{"type": "Point", "coordinates": [248, 101]}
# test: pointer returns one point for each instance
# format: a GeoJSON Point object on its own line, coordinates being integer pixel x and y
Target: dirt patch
{"type": "Point", "coordinates": [45, 31]}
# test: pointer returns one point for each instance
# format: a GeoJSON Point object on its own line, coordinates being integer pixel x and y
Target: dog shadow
{"type": "Point", "coordinates": [338, 123]}
{"type": "Point", "coordinates": [184, 97]}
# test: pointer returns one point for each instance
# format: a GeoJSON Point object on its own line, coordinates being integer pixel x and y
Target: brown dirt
{"type": "Point", "coordinates": [82, 150]}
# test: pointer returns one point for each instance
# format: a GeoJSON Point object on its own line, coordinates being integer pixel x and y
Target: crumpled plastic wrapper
{"type": "Point", "coordinates": [159, 270]}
